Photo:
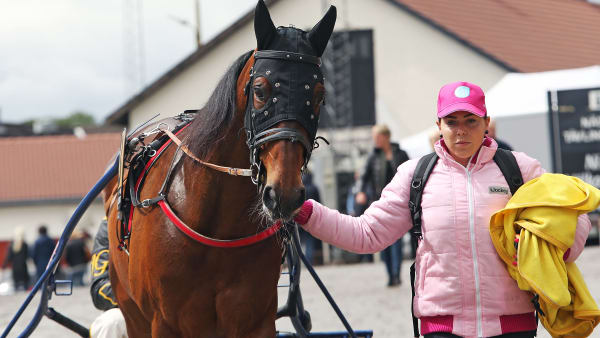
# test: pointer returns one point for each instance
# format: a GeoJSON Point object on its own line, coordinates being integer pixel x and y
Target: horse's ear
{"type": "Point", "coordinates": [264, 29]}
{"type": "Point", "coordinates": [319, 35]}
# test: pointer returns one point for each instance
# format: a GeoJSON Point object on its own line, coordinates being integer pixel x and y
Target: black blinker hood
{"type": "Point", "coordinates": [292, 71]}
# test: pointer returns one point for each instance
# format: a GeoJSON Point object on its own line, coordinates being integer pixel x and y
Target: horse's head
{"type": "Point", "coordinates": [285, 94]}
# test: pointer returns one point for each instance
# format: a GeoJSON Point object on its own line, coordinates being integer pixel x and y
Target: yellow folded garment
{"type": "Point", "coordinates": [543, 212]}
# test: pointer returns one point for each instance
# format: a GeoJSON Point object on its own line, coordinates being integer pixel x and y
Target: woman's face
{"type": "Point", "coordinates": [463, 134]}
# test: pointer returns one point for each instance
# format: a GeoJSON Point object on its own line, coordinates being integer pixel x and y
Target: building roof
{"type": "Point", "coordinates": [53, 168]}
{"type": "Point", "coordinates": [119, 116]}
{"type": "Point", "coordinates": [522, 36]}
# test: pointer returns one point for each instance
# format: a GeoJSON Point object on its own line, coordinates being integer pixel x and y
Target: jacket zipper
{"type": "Point", "coordinates": [472, 238]}
{"type": "Point", "coordinates": [474, 253]}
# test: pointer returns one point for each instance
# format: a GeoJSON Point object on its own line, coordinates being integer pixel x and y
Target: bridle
{"type": "Point", "coordinates": [258, 122]}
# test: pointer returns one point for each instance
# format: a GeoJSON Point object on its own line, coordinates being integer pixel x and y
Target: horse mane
{"type": "Point", "coordinates": [212, 120]}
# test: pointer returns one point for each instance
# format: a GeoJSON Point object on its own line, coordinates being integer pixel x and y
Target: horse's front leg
{"type": "Point", "coordinates": [247, 312]}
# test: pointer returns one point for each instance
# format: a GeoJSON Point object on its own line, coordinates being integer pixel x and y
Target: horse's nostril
{"type": "Point", "coordinates": [269, 198]}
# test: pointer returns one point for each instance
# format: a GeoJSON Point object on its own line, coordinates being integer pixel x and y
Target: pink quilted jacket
{"type": "Point", "coordinates": [462, 285]}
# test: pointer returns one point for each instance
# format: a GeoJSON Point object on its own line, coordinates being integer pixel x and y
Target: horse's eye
{"type": "Point", "coordinates": [259, 92]}
{"type": "Point", "coordinates": [319, 98]}
{"type": "Point", "coordinates": [262, 92]}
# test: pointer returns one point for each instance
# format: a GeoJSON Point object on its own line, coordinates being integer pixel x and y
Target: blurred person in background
{"type": "Point", "coordinates": [17, 255]}
{"type": "Point", "coordinates": [355, 209]}
{"type": "Point", "coordinates": [42, 251]}
{"type": "Point", "coordinates": [308, 241]}
{"type": "Point", "coordinates": [380, 169]}
{"type": "Point", "coordinates": [492, 134]}
{"type": "Point", "coordinates": [77, 256]}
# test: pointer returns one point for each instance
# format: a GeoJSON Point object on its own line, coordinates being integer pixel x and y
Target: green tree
{"type": "Point", "coordinates": [76, 119]}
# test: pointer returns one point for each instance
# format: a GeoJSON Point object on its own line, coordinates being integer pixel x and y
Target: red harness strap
{"type": "Point", "coordinates": [220, 243]}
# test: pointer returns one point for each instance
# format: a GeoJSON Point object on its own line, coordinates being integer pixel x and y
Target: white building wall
{"type": "Point", "coordinates": [55, 217]}
{"type": "Point", "coordinates": [412, 61]}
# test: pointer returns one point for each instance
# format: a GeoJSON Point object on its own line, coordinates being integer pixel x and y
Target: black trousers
{"type": "Point", "coordinates": [526, 334]}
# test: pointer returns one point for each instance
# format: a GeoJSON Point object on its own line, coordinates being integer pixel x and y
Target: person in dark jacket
{"type": "Point", "coordinates": [77, 256]}
{"type": "Point", "coordinates": [42, 251]}
{"type": "Point", "coordinates": [17, 255]}
{"type": "Point", "coordinates": [492, 134]}
{"type": "Point", "coordinates": [380, 169]}
{"type": "Point", "coordinates": [307, 240]}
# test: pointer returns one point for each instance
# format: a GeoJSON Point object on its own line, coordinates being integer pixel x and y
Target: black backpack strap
{"type": "Point", "coordinates": [420, 176]}
{"type": "Point", "coordinates": [412, 299]}
{"type": "Point", "coordinates": [509, 167]}
{"type": "Point", "coordinates": [422, 171]}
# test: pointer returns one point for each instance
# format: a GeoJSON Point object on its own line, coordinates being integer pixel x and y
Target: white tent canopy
{"type": "Point", "coordinates": [527, 93]}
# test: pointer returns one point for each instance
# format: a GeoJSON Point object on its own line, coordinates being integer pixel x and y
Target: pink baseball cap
{"type": "Point", "coordinates": [461, 96]}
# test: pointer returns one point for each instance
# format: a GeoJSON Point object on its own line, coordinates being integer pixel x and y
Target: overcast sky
{"type": "Point", "coordinates": [61, 56]}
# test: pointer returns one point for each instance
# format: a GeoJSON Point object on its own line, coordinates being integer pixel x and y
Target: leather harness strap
{"type": "Point", "coordinates": [228, 170]}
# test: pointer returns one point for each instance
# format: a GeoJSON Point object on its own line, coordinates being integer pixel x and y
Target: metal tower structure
{"type": "Point", "coordinates": [337, 68]}
{"type": "Point", "coordinates": [134, 58]}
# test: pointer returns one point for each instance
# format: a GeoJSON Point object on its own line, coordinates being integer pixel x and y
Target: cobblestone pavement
{"type": "Point", "coordinates": [359, 290]}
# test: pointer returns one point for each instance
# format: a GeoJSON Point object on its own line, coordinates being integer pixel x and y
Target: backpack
{"type": "Point", "coordinates": [510, 170]}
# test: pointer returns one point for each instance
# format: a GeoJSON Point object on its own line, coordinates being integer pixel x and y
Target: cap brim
{"type": "Point", "coordinates": [461, 106]}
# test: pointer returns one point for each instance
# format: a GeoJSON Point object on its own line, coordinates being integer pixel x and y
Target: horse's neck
{"type": "Point", "coordinates": [215, 202]}
{"type": "Point", "coordinates": [223, 204]}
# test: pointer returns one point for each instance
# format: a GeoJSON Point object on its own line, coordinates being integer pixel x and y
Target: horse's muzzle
{"type": "Point", "coordinates": [282, 206]}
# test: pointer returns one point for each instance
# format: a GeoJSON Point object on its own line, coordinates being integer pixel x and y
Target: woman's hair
{"type": "Point", "coordinates": [382, 129]}
{"type": "Point", "coordinates": [18, 239]}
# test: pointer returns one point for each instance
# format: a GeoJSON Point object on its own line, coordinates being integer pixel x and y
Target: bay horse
{"type": "Point", "coordinates": [262, 115]}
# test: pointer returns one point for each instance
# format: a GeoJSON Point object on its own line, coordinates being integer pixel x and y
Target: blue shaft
{"type": "Point", "coordinates": [58, 250]}
{"type": "Point", "coordinates": [323, 288]}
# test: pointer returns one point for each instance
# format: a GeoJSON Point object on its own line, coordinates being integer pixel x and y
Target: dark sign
{"type": "Point", "coordinates": [349, 80]}
{"type": "Point", "coordinates": [575, 129]}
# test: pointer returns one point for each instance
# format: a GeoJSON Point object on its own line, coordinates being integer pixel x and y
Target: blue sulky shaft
{"type": "Point", "coordinates": [58, 250]}
{"type": "Point", "coordinates": [323, 289]}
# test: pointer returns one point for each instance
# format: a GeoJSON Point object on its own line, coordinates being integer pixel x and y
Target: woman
{"type": "Point", "coordinates": [462, 286]}
{"type": "Point", "coordinates": [17, 255]}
